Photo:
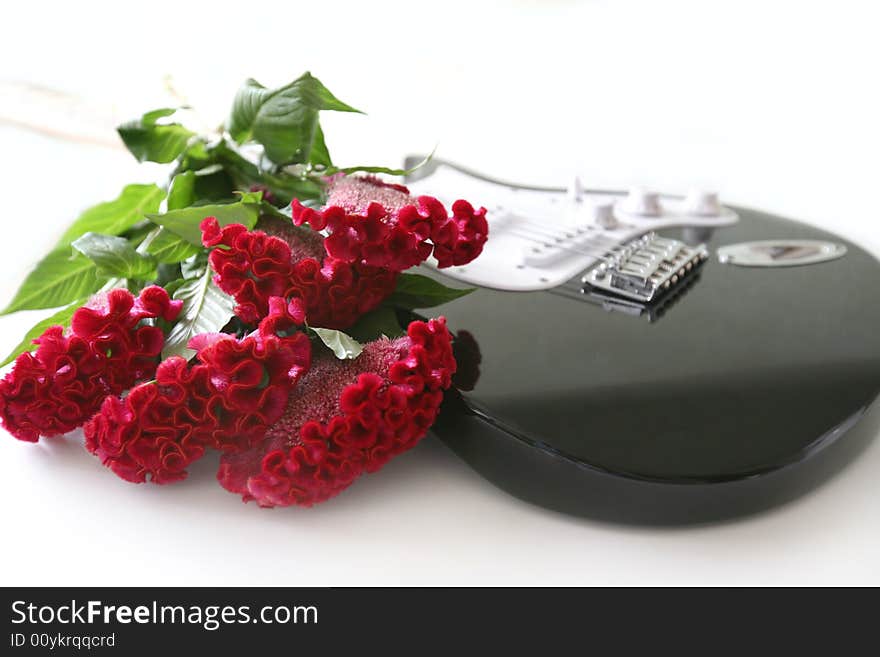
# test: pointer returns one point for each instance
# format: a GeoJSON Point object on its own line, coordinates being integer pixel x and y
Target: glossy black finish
{"type": "Point", "coordinates": [748, 372]}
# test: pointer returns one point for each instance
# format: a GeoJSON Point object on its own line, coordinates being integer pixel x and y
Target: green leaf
{"type": "Point", "coordinates": [375, 324]}
{"type": "Point", "coordinates": [185, 221]}
{"type": "Point", "coordinates": [172, 286]}
{"type": "Point", "coordinates": [62, 318]}
{"type": "Point", "coordinates": [206, 309]}
{"type": "Point", "coordinates": [385, 170]}
{"type": "Point", "coordinates": [213, 185]}
{"type": "Point", "coordinates": [165, 273]}
{"type": "Point", "coordinates": [182, 192]}
{"type": "Point", "coordinates": [250, 197]}
{"type": "Point", "coordinates": [320, 155]}
{"type": "Point", "coordinates": [287, 187]}
{"type": "Point", "coordinates": [167, 247]}
{"type": "Point", "coordinates": [371, 169]}
{"type": "Point", "coordinates": [152, 116]}
{"type": "Point", "coordinates": [58, 279]}
{"type": "Point", "coordinates": [115, 256]}
{"type": "Point", "coordinates": [344, 346]}
{"type": "Point", "coordinates": [283, 185]}
{"type": "Point", "coordinates": [139, 233]}
{"type": "Point", "coordinates": [116, 216]}
{"type": "Point", "coordinates": [245, 106]}
{"type": "Point", "coordinates": [284, 120]}
{"type": "Point", "coordinates": [279, 213]}
{"type": "Point", "coordinates": [150, 141]}
{"type": "Point", "coordinates": [196, 156]}
{"type": "Point", "coordinates": [417, 291]}
{"type": "Point", "coordinates": [194, 266]}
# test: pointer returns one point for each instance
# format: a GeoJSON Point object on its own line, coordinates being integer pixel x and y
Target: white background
{"type": "Point", "coordinates": [773, 103]}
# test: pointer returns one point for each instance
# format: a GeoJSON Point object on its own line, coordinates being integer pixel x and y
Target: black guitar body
{"type": "Point", "coordinates": [724, 400]}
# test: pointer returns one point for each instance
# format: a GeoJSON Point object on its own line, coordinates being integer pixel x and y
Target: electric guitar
{"type": "Point", "coordinates": [654, 359]}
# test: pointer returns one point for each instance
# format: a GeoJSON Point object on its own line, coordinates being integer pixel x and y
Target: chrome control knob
{"type": "Point", "coordinates": [603, 214]}
{"type": "Point", "coordinates": [642, 202]}
{"type": "Point", "coordinates": [702, 203]}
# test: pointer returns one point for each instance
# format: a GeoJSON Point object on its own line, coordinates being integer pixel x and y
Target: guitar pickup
{"type": "Point", "coordinates": [646, 268]}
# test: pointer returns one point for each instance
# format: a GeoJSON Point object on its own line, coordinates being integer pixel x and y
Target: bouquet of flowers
{"type": "Point", "coordinates": [257, 304]}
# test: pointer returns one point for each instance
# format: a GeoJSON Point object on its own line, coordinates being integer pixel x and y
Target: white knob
{"type": "Point", "coordinates": [643, 203]}
{"type": "Point", "coordinates": [702, 203]}
{"type": "Point", "coordinates": [576, 190]}
{"type": "Point", "coordinates": [603, 214]}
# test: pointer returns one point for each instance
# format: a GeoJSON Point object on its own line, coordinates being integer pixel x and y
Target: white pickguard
{"type": "Point", "coordinates": [541, 239]}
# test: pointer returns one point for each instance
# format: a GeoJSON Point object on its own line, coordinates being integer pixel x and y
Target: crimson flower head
{"type": "Point", "coordinates": [112, 323]}
{"type": "Point", "coordinates": [225, 401]}
{"type": "Point", "coordinates": [108, 348]}
{"type": "Point", "coordinates": [375, 223]}
{"type": "Point", "coordinates": [347, 417]}
{"type": "Point", "coordinates": [253, 266]}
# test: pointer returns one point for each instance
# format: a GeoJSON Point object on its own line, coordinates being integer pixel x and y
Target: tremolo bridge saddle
{"type": "Point", "coordinates": [646, 268]}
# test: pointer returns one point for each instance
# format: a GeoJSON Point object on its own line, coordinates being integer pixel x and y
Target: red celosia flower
{"type": "Point", "coordinates": [57, 388]}
{"type": "Point", "coordinates": [54, 390]}
{"type": "Point", "coordinates": [347, 417]}
{"type": "Point", "coordinates": [111, 324]}
{"type": "Point", "coordinates": [379, 224]}
{"type": "Point", "coordinates": [225, 401]}
{"type": "Point", "coordinates": [284, 318]}
{"type": "Point", "coordinates": [158, 429]}
{"type": "Point", "coordinates": [253, 266]}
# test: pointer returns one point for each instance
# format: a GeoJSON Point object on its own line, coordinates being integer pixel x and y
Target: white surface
{"type": "Point", "coordinates": [784, 118]}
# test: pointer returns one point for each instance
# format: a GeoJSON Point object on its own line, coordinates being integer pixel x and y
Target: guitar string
{"type": "Point", "coordinates": [571, 232]}
{"type": "Point", "coordinates": [601, 253]}
{"type": "Point", "coordinates": [537, 229]}
{"type": "Point", "coordinates": [551, 239]}
{"type": "Point", "coordinates": [597, 252]}
{"type": "Point", "coordinates": [551, 232]}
